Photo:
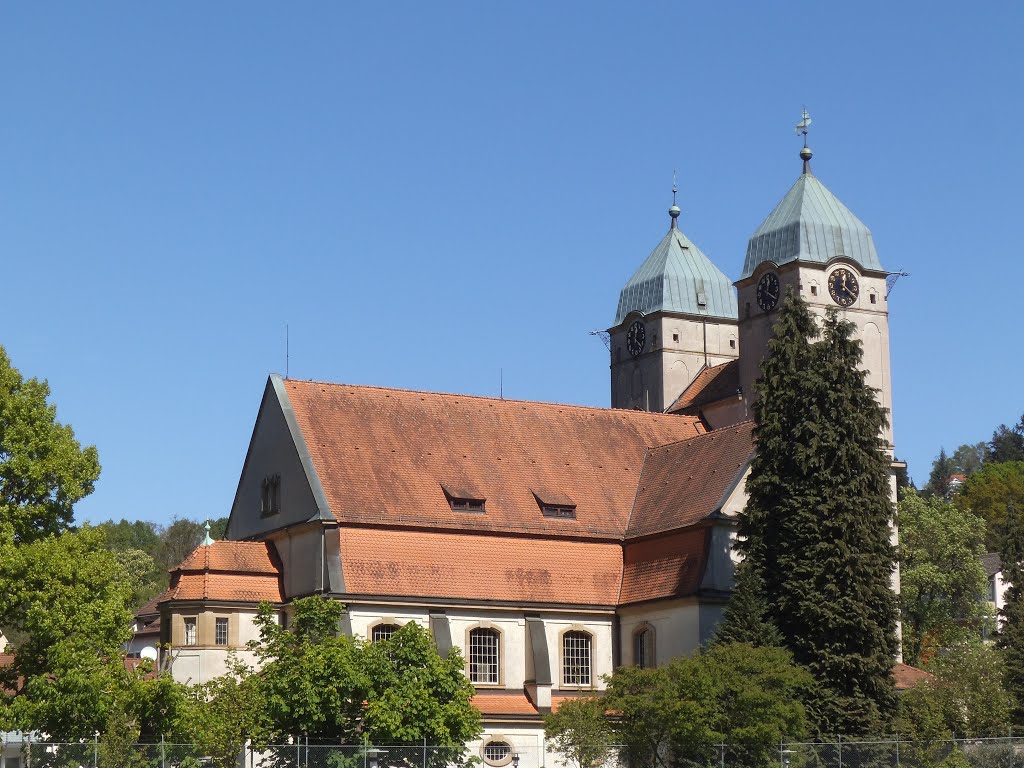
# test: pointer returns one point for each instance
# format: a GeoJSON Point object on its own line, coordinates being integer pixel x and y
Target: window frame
{"type": "Point", "coordinates": [373, 628]}
{"type": "Point", "coordinates": [645, 633]}
{"type": "Point", "coordinates": [499, 638]}
{"type": "Point", "coordinates": [218, 622]}
{"type": "Point", "coordinates": [576, 632]}
{"type": "Point", "coordinates": [495, 741]}
{"type": "Point", "coordinates": [188, 639]}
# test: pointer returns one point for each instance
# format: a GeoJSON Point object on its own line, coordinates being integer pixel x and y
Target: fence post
{"type": "Point", "coordinates": [95, 749]}
{"type": "Point", "coordinates": [424, 752]}
{"type": "Point", "coordinates": [897, 750]}
{"type": "Point", "coordinates": [163, 753]}
{"type": "Point", "coordinates": [782, 754]}
{"type": "Point", "coordinates": [721, 761]}
{"type": "Point", "coordinates": [840, 750]}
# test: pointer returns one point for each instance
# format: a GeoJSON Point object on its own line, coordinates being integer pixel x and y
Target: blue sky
{"type": "Point", "coordinates": [430, 193]}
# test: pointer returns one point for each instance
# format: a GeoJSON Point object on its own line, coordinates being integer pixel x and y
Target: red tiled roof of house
{"type": "Point", "coordinates": [229, 571]}
{"type": "Point", "coordinates": [906, 676]}
{"type": "Point", "coordinates": [663, 567]}
{"type": "Point", "coordinates": [503, 703]}
{"type": "Point", "coordinates": [474, 566]}
{"type": "Point", "coordinates": [709, 386]}
{"type": "Point", "coordinates": [386, 456]}
{"type": "Point", "coordinates": [232, 556]}
{"type": "Point", "coordinates": [682, 483]}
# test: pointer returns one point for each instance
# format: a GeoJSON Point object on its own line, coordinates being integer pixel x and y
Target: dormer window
{"type": "Point", "coordinates": [555, 504]}
{"type": "Point", "coordinates": [464, 497]}
{"type": "Point", "coordinates": [270, 495]}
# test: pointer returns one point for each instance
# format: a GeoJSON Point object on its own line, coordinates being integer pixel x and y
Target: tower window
{"type": "Point", "coordinates": [675, 337]}
{"type": "Point", "coordinates": [732, 343]}
{"type": "Point", "coordinates": [748, 309]}
{"type": "Point", "coordinates": [190, 630]}
{"type": "Point", "coordinates": [814, 290]}
{"type": "Point", "coordinates": [873, 298]}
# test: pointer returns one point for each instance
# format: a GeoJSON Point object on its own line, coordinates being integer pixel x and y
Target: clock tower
{"type": "Point", "coordinates": [813, 245]}
{"type": "Point", "coordinates": [676, 316]}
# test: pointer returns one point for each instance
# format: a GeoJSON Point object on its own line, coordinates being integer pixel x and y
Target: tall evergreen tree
{"type": "Point", "coordinates": [816, 524]}
{"type": "Point", "coordinates": [1011, 634]}
{"type": "Point", "coordinates": [938, 480]}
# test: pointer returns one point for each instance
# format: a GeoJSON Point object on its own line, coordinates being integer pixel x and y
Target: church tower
{"type": "Point", "coordinates": [676, 316]}
{"type": "Point", "coordinates": [813, 244]}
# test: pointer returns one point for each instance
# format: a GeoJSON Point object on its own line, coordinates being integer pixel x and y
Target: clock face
{"type": "Point", "coordinates": [635, 338]}
{"type": "Point", "coordinates": [768, 291]}
{"type": "Point", "coordinates": [843, 287]}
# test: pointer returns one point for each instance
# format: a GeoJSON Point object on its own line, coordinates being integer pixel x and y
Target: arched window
{"type": "Point", "coordinates": [382, 632]}
{"type": "Point", "coordinates": [484, 656]}
{"type": "Point", "coordinates": [576, 658]}
{"type": "Point", "coordinates": [643, 647]}
{"type": "Point", "coordinates": [496, 752]}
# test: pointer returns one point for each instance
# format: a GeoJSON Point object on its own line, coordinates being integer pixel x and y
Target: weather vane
{"type": "Point", "coordinates": [673, 212]}
{"type": "Point", "coordinates": [803, 125]}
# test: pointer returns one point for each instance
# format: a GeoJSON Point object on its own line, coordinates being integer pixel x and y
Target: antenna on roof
{"type": "Point", "coordinates": [287, 351]}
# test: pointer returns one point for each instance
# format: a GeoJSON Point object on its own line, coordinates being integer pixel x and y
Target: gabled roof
{"type": "Point", "coordinates": [677, 277]}
{"type": "Point", "coordinates": [682, 483]}
{"type": "Point", "coordinates": [992, 563]}
{"type": "Point", "coordinates": [385, 457]}
{"type": "Point", "coordinates": [810, 225]}
{"type": "Point", "coordinates": [709, 386]}
{"type": "Point", "coordinates": [228, 571]}
{"type": "Point", "coordinates": [905, 676]}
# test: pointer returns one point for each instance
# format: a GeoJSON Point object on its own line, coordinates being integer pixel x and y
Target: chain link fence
{"type": "Point", "coordinates": [1006, 752]}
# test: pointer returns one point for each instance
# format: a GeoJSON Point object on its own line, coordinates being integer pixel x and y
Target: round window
{"type": "Point", "coordinates": [497, 753]}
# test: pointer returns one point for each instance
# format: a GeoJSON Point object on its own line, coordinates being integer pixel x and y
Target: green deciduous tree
{"type": "Point", "coordinates": [43, 469]}
{"type": "Point", "coordinates": [580, 732]}
{"type": "Point", "coordinates": [942, 580]}
{"type": "Point", "coordinates": [67, 600]}
{"type": "Point", "coordinates": [225, 713]}
{"type": "Point", "coordinates": [323, 685]}
{"type": "Point", "coordinates": [966, 697]}
{"type": "Point", "coordinates": [745, 697]}
{"type": "Point", "coordinates": [1011, 633]}
{"type": "Point", "coordinates": [987, 492]}
{"type": "Point", "coordinates": [817, 521]}
{"type": "Point", "coordinates": [969, 458]}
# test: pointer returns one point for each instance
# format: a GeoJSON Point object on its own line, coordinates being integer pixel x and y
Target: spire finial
{"type": "Point", "coordinates": [674, 210]}
{"type": "Point", "coordinates": [801, 128]}
{"type": "Point", "coordinates": [207, 541]}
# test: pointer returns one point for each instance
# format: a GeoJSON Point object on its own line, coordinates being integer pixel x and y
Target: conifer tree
{"type": "Point", "coordinates": [746, 617]}
{"type": "Point", "coordinates": [816, 524]}
{"type": "Point", "coordinates": [1011, 633]}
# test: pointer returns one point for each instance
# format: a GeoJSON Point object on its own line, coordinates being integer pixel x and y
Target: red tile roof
{"type": "Point", "coordinates": [906, 676]}
{"type": "Point", "coordinates": [709, 386]}
{"type": "Point", "coordinates": [663, 567]}
{"type": "Point", "coordinates": [504, 703]}
{"type": "Point", "coordinates": [682, 483]}
{"type": "Point", "coordinates": [476, 566]}
{"type": "Point", "coordinates": [229, 571]}
{"type": "Point", "coordinates": [384, 457]}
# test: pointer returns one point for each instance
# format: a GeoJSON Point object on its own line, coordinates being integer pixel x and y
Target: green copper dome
{"type": "Point", "coordinates": [811, 225]}
{"type": "Point", "coordinates": [677, 277]}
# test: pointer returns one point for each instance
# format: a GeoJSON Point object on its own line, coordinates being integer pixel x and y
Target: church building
{"type": "Point", "coordinates": [549, 543]}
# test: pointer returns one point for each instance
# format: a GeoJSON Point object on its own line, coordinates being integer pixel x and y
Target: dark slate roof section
{"type": "Point", "coordinates": [992, 563]}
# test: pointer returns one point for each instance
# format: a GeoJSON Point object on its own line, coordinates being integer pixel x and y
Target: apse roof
{"type": "Point", "coordinates": [811, 225]}
{"type": "Point", "coordinates": [677, 277]}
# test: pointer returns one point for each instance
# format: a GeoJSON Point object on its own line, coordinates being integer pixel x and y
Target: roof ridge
{"type": "Point", "coordinates": [511, 401]}
{"type": "Point", "coordinates": [720, 431]}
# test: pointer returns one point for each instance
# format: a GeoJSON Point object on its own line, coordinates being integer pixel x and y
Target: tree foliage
{"type": "Point", "coordinates": [43, 469]}
{"type": "Point", "coordinates": [1011, 633]}
{"type": "Point", "coordinates": [942, 580]}
{"type": "Point", "coordinates": [323, 685]}
{"type": "Point", "coordinates": [66, 599]}
{"type": "Point", "coordinates": [965, 697]}
{"type": "Point", "coordinates": [746, 618]}
{"type": "Point", "coordinates": [1007, 443]}
{"type": "Point", "coordinates": [579, 732]}
{"type": "Point", "coordinates": [748, 698]}
{"type": "Point", "coordinates": [939, 481]}
{"type": "Point", "coordinates": [817, 522]}
{"type": "Point", "coordinates": [987, 492]}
